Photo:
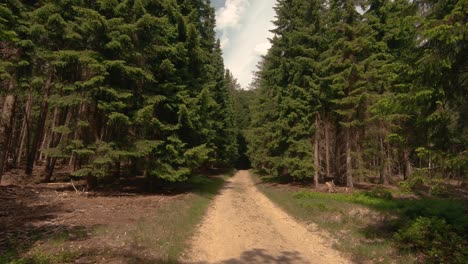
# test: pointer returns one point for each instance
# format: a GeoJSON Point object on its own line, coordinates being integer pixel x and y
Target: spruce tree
{"type": "Point", "coordinates": [115, 88]}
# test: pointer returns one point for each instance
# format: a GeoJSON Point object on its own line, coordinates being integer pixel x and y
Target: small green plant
{"type": "Point", "coordinates": [42, 258]}
{"type": "Point", "coordinates": [420, 179]}
{"type": "Point", "coordinates": [405, 186]}
{"type": "Point", "coordinates": [437, 187]}
{"type": "Point", "coordinates": [434, 238]}
{"type": "Point", "coordinates": [379, 192]}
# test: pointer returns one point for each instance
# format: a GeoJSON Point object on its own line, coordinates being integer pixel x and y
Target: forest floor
{"type": "Point", "coordinates": [379, 224]}
{"type": "Point", "coordinates": [53, 223]}
{"type": "Point", "coordinates": [243, 226]}
{"type": "Point", "coordinates": [212, 219]}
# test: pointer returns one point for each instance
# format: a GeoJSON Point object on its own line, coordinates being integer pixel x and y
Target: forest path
{"type": "Point", "coordinates": [243, 226]}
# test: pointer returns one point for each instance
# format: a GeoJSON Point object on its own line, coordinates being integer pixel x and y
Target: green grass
{"type": "Point", "coordinates": [372, 227]}
{"type": "Point", "coordinates": [37, 255]}
{"type": "Point", "coordinates": [44, 258]}
{"type": "Point", "coordinates": [165, 233]}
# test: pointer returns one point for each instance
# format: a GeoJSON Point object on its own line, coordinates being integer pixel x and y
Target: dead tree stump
{"type": "Point", "coordinates": [331, 187]}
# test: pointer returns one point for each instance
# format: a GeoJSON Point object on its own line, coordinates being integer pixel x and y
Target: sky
{"type": "Point", "coordinates": [243, 28]}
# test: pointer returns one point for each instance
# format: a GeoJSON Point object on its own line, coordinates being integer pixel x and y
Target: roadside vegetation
{"type": "Point", "coordinates": [113, 88]}
{"type": "Point", "coordinates": [377, 95]}
{"type": "Point", "coordinates": [96, 94]}
{"type": "Point", "coordinates": [373, 97]}
{"type": "Point", "coordinates": [374, 227]}
{"type": "Point", "coordinates": [148, 228]}
{"type": "Point", "coordinates": [167, 230]}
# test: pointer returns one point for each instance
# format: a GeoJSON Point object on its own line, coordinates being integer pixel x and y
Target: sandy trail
{"type": "Point", "coordinates": [243, 226]}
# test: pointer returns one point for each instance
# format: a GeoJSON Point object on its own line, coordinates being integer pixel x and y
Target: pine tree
{"type": "Point", "coordinates": [115, 88]}
{"type": "Point", "coordinates": [353, 90]}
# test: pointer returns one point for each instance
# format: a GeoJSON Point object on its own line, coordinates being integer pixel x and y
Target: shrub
{"type": "Point", "coordinates": [379, 192]}
{"type": "Point", "coordinates": [434, 238]}
{"type": "Point", "coordinates": [421, 179]}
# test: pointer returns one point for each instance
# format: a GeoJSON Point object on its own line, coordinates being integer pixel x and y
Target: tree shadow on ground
{"type": "Point", "coordinates": [261, 256]}
{"type": "Point", "coordinates": [18, 212]}
{"type": "Point", "coordinates": [205, 183]}
{"type": "Point", "coordinates": [128, 256]}
{"type": "Point", "coordinates": [25, 218]}
{"type": "Point", "coordinates": [258, 256]}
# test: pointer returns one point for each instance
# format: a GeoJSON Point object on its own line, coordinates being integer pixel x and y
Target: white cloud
{"type": "Point", "coordinates": [262, 48]}
{"type": "Point", "coordinates": [224, 40]}
{"type": "Point", "coordinates": [243, 29]}
{"type": "Point", "coordinates": [230, 15]}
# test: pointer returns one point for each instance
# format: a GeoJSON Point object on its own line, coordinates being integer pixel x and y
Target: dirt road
{"type": "Point", "coordinates": [243, 226]}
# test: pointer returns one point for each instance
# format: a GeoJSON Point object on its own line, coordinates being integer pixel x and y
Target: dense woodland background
{"type": "Point", "coordinates": [368, 93]}
{"type": "Point", "coordinates": [364, 91]}
{"type": "Point", "coordinates": [350, 90]}
{"type": "Point", "coordinates": [114, 88]}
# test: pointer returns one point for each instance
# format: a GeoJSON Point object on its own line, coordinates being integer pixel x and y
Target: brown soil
{"type": "Point", "coordinates": [243, 226]}
{"type": "Point", "coordinates": [95, 226]}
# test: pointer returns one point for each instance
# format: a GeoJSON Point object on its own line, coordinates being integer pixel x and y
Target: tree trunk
{"type": "Point", "coordinates": [429, 165]}
{"type": "Point", "coordinates": [91, 182]}
{"type": "Point", "coordinates": [63, 120]}
{"type": "Point", "coordinates": [133, 167]}
{"type": "Point", "coordinates": [408, 167]}
{"type": "Point", "coordinates": [7, 143]}
{"type": "Point", "coordinates": [117, 170]}
{"type": "Point", "coordinates": [327, 151]}
{"type": "Point", "coordinates": [76, 135]}
{"type": "Point", "coordinates": [6, 128]}
{"type": "Point", "coordinates": [358, 159]}
{"type": "Point", "coordinates": [31, 157]}
{"type": "Point", "coordinates": [45, 142]}
{"type": "Point", "coordinates": [24, 131]}
{"type": "Point", "coordinates": [48, 140]}
{"type": "Point", "coordinates": [316, 152]}
{"type": "Point", "coordinates": [50, 166]}
{"type": "Point", "coordinates": [389, 174]}
{"type": "Point", "coordinates": [145, 165]}
{"type": "Point", "coordinates": [383, 163]}
{"type": "Point", "coordinates": [349, 167]}
{"type": "Point", "coordinates": [7, 110]}
{"type": "Point", "coordinates": [339, 159]}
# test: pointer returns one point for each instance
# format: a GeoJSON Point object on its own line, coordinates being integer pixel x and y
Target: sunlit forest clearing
{"type": "Point", "coordinates": [124, 138]}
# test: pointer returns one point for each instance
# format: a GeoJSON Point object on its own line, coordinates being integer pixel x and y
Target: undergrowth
{"type": "Point", "coordinates": [165, 233]}
{"type": "Point", "coordinates": [372, 226]}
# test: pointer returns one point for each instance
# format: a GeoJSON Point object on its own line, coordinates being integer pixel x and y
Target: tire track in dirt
{"type": "Point", "coordinates": [243, 226]}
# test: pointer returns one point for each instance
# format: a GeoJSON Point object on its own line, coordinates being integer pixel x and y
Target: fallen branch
{"type": "Point", "coordinates": [76, 190]}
